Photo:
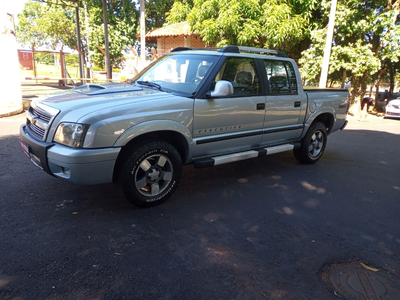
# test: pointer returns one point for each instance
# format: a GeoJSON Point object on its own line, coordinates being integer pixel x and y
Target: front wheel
{"type": "Point", "coordinates": [312, 145]}
{"type": "Point", "coordinates": [149, 174]}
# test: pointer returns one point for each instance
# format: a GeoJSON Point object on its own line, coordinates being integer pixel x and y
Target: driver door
{"type": "Point", "coordinates": [234, 123]}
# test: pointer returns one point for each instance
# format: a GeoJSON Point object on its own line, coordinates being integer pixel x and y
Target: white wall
{"type": "Point", "coordinates": [10, 85]}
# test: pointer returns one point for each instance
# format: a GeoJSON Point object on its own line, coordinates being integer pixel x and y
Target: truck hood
{"type": "Point", "coordinates": [95, 96]}
{"type": "Point", "coordinates": [112, 110]}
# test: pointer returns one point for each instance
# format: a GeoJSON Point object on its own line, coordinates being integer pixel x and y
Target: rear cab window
{"type": "Point", "coordinates": [281, 77]}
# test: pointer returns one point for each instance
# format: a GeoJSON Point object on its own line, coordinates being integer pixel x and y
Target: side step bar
{"type": "Point", "coordinates": [224, 159]}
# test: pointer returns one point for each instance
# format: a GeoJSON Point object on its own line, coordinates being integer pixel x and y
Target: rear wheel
{"type": "Point", "coordinates": [149, 174]}
{"type": "Point", "coordinates": [312, 145]}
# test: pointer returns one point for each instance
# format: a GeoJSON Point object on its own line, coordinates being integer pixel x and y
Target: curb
{"type": "Point", "coordinates": [12, 113]}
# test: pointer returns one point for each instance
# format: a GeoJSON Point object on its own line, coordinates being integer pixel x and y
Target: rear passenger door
{"type": "Point", "coordinates": [284, 105]}
{"type": "Point", "coordinates": [230, 124]}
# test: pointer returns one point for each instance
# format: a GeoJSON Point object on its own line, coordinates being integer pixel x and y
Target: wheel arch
{"type": "Point", "coordinates": [167, 130]}
{"type": "Point", "coordinates": [172, 137]}
{"type": "Point", "coordinates": [327, 118]}
{"type": "Point", "coordinates": [177, 139]}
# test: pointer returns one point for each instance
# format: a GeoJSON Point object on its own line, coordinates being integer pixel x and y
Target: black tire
{"type": "Point", "coordinates": [150, 174]}
{"type": "Point", "coordinates": [312, 145]}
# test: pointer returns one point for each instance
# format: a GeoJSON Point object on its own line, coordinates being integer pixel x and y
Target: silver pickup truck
{"type": "Point", "coordinates": [192, 106]}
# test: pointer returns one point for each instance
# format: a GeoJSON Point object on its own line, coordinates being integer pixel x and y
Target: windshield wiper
{"type": "Point", "coordinates": [151, 84]}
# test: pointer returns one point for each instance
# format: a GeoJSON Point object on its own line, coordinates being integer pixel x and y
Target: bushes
{"type": "Point", "coordinates": [95, 68]}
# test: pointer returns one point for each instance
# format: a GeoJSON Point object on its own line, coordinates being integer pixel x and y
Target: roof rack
{"type": "Point", "coordinates": [237, 49]}
{"type": "Point", "coordinates": [257, 51]}
{"type": "Point", "coordinates": [190, 48]}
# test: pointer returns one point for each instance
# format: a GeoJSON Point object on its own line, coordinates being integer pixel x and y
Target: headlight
{"type": "Point", "coordinates": [71, 134]}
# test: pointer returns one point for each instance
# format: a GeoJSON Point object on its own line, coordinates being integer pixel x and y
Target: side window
{"type": "Point", "coordinates": [281, 77]}
{"type": "Point", "coordinates": [241, 72]}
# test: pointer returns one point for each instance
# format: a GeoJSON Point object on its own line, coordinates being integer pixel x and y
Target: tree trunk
{"type": "Point", "coordinates": [392, 74]}
{"type": "Point", "coordinates": [377, 83]}
{"type": "Point", "coordinates": [344, 76]}
{"type": "Point", "coordinates": [357, 92]}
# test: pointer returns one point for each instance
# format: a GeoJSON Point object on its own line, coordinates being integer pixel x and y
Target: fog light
{"type": "Point", "coordinates": [66, 171]}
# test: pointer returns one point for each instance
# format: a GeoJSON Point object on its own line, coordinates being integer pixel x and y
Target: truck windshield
{"type": "Point", "coordinates": [177, 73]}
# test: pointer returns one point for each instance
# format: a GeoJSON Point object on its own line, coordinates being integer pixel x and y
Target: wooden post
{"type": "Point", "coordinates": [34, 62]}
{"type": "Point", "coordinates": [142, 32]}
{"type": "Point", "coordinates": [105, 21]}
{"type": "Point", "coordinates": [78, 35]}
{"type": "Point", "coordinates": [61, 82]}
{"type": "Point", "coordinates": [154, 52]}
{"type": "Point", "coordinates": [105, 56]}
{"type": "Point", "coordinates": [136, 66]}
{"type": "Point", "coordinates": [133, 50]}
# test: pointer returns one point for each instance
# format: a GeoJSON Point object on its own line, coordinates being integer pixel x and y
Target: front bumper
{"type": "Point", "coordinates": [392, 114]}
{"type": "Point", "coordinates": [344, 125]}
{"type": "Point", "coordinates": [79, 166]}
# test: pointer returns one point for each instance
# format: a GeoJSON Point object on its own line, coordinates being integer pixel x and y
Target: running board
{"type": "Point", "coordinates": [224, 159]}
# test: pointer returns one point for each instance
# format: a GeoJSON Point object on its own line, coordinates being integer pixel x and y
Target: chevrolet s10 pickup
{"type": "Point", "coordinates": [204, 107]}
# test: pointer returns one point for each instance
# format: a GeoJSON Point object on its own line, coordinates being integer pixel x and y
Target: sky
{"type": "Point", "coordinates": [14, 7]}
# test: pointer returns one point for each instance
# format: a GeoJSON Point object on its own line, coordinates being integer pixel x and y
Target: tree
{"type": "Point", "coordinates": [45, 58]}
{"type": "Point", "coordinates": [54, 25]}
{"type": "Point", "coordinates": [365, 36]}
{"type": "Point", "coordinates": [389, 46]}
{"type": "Point", "coordinates": [156, 12]}
{"type": "Point", "coordinates": [122, 28]}
{"type": "Point", "coordinates": [282, 25]}
{"type": "Point", "coordinates": [123, 25]}
{"type": "Point", "coordinates": [224, 22]}
{"type": "Point", "coordinates": [179, 11]}
{"type": "Point", "coordinates": [46, 25]}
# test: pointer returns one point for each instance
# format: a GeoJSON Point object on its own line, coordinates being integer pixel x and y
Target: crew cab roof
{"type": "Point", "coordinates": [236, 49]}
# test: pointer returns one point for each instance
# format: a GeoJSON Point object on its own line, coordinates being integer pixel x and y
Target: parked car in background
{"type": "Point", "coordinates": [393, 109]}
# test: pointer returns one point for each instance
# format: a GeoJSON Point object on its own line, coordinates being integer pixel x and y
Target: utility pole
{"type": "Point", "coordinates": [328, 45]}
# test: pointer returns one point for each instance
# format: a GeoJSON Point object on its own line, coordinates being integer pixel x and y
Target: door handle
{"type": "Point", "coordinates": [297, 103]}
{"type": "Point", "coordinates": [260, 106]}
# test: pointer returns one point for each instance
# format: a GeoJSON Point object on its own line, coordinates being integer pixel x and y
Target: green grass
{"type": "Point", "coordinates": [54, 73]}
{"type": "Point", "coordinates": [51, 71]}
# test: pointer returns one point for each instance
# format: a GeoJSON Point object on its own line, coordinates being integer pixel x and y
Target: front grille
{"type": "Point", "coordinates": [40, 115]}
{"type": "Point", "coordinates": [37, 122]}
{"type": "Point", "coordinates": [35, 130]}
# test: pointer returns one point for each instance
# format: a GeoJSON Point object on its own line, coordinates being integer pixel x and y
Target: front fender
{"type": "Point", "coordinates": [156, 126]}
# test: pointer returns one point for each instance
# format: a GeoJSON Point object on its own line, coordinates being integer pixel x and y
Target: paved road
{"type": "Point", "coordinates": [266, 228]}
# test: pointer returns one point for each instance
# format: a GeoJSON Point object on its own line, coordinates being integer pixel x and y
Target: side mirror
{"type": "Point", "coordinates": [223, 88]}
